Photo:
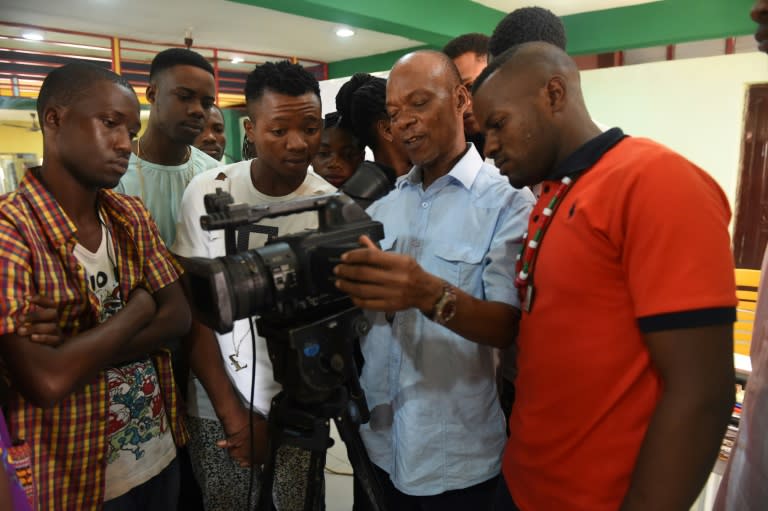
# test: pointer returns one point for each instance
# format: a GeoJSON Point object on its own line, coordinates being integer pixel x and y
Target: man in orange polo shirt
{"type": "Point", "coordinates": [625, 381]}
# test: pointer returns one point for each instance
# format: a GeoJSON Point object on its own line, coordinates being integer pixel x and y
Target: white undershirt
{"type": "Point", "coordinates": [139, 440]}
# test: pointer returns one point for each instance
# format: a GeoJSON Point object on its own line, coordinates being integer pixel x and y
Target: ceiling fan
{"type": "Point", "coordinates": [35, 126]}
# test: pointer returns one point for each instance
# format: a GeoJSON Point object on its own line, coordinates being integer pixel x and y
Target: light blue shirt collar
{"type": "Point", "coordinates": [465, 171]}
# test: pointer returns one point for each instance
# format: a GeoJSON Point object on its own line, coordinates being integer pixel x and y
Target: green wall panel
{"type": "Point", "coordinates": [372, 63]}
{"type": "Point", "coordinates": [435, 22]}
{"type": "Point", "coordinates": [429, 21]}
{"type": "Point", "coordinates": [234, 148]}
{"type": "Point", "coordinates": [659, 23]}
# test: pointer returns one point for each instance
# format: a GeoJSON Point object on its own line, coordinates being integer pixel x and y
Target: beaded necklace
{"type": "Point", "coordinates": [526, 259]}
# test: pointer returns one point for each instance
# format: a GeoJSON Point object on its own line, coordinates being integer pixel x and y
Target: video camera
{"type": "Point", "coordinates": [310, 327]}
{"type": "Point", "coordinates": [289, 284]}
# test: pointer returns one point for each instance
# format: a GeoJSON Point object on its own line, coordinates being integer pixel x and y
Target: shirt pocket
{"type": "Point", "coordinates": [460, 264]}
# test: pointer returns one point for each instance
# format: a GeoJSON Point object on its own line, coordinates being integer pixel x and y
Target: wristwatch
{"type": "Point", "coordinates": [445, 307]}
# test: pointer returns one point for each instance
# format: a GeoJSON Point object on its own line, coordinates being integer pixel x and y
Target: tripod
{"type": "Point", "coordinates": [314, 361]}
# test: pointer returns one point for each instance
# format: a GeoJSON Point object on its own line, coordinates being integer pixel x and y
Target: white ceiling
{"type": "Point", "coordinates": [214, 23]}
{"type": "Point", "coordinates": [561, 7]}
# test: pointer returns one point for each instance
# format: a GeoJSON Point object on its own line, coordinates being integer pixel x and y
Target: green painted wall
{"type": "Point", "coordinates": [372, 63]}
{"type": "Point", "coordinates": [234, 148]}
{"type": "Point", "coordinates": [659, 23]}
{"type": "Point", "coordinates": [429, 21]}
{"type": "Point", "coordinates": [17, 103]}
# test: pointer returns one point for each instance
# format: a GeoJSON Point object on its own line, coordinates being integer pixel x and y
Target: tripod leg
{"type": "Point", "coordinates": [315, 498]}
{"type": "Point", "coordinates": [293, 480]}
{"type": "Point", "coordinates": [361, 463]}
{"type": "Point", "coordinates": [298, 441]}
{"type": "Point", "coordinates": [313, 454]}
{"type": "Point", "coordinates": [267, 478]}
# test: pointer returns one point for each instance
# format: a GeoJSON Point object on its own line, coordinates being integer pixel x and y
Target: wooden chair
{"type": "Point", "coordinates": [746, 291]}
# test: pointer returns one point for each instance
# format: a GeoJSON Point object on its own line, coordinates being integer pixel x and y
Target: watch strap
{"type": "Point", "coordinates": [445, 307]}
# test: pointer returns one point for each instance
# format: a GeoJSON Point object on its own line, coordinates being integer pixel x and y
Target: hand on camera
{"type": "Point", "coordinates": [386, 281]}
{"type": "Point", "coordinates": [239, 438]}
{"type": "Point", "coordinates": [41, 323]}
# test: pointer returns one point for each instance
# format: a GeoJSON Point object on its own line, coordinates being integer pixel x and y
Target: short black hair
{"type": "Point", "coordinates": [475, 42]}
{"type": "Point", "coordinates": [331, 120]}
{"type": "Point", "coordinates": [282, 77]}
{"type": "Point", "coordinates": [527, 25]}
{"type": "Point", "coordinates": [173, 57]}
{"type": "Point", "coordinates": [68, 83]}
{"type": "Point", "coordinates": [494, 65]}
{"type": "Point", "coordinates": [218, 108]}
{"type": "Point", "coordinates": [361, 102]}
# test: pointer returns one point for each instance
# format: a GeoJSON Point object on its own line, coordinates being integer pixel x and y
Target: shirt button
{"type": "Point", "coordinates": [425, 205]}
{"type": "Point", "coordinates": [415, 243]}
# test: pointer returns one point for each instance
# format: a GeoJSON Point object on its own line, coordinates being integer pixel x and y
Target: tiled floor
{"type": "Point", "coordinates": [338, 488]}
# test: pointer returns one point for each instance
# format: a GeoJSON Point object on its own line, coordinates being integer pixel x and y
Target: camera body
{"type": "Point", "coordinates": [288, 283]}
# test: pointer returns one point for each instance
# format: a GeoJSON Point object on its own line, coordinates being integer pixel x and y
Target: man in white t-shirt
{"type": "Point", "coordinates": [283, 103]}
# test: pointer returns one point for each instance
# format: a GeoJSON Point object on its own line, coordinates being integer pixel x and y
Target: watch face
{"type": "Point", "coordinates": [449, 310]}
{"type": "Point", "coordinates": [446, 306]}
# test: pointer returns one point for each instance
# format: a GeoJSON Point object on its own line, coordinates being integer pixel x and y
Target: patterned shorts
{"type": "Point", "coordinates": [224, 484]}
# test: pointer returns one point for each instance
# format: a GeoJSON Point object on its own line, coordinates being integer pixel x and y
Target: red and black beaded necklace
{"type": "Point", "coordinates": [526, 259]}
{"type": "Point", "coordinates": [577, 164]}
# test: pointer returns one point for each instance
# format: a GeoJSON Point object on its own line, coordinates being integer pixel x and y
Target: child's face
{"type": "Point", "coordinates": [338, 157]}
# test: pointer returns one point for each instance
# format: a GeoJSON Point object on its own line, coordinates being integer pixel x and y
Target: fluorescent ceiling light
{"type": "Point", "coordinates": [32, 36]}
{"type": "Point", "coordinates": [237, 60]}
{"type": "Point", "coordinates": [345, 32]}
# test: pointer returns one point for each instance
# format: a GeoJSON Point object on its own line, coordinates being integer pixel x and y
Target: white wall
{"type": "Point", "coordinates": [328, 91]}
{"type": "Point", "coordinates": [329, 88]}
{"type": "Point", "coordinates": [694, 106]}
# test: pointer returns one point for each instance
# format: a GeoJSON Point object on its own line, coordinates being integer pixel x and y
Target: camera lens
{"type": "Point", "coordinates": [250, 285]}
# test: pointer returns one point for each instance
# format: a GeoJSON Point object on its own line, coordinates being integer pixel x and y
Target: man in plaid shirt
{"type": "Point", "coordinates": [88, 294]}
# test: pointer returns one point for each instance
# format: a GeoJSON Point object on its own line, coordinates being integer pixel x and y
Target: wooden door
{"type": "Point", "coordinates": [751, 228]}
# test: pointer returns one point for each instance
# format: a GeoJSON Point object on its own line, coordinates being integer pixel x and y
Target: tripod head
{"type": "Point", "coordinates": [313, 353]}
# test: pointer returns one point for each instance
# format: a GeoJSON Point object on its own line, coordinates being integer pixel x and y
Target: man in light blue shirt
{"type": "Point", "coordinates": [442, 286]}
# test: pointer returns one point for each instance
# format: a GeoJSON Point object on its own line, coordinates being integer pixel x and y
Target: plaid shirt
{"type": "Point", "coordinates": [37, 239]}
